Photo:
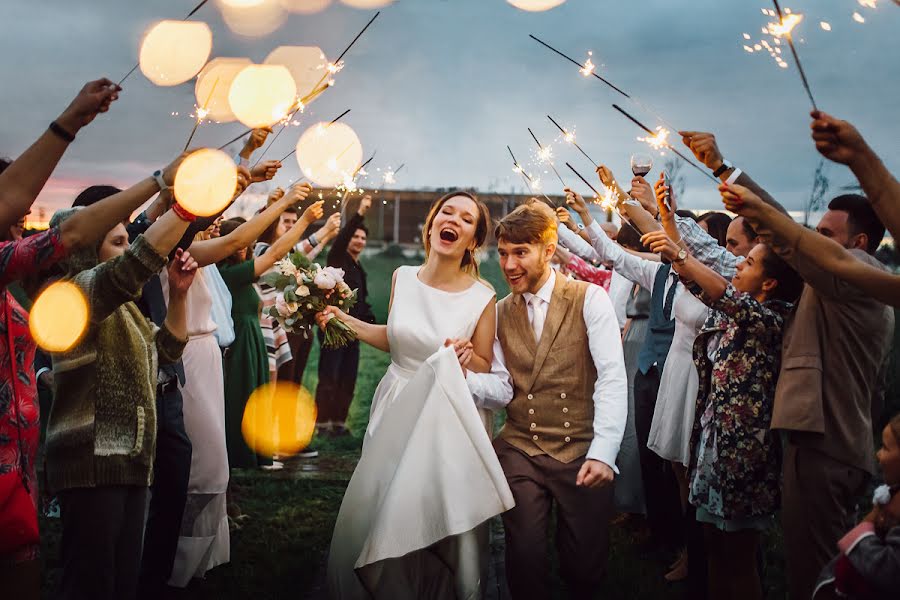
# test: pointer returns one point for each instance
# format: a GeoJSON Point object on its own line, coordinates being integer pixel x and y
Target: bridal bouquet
{"type": "Point", "coordinates": [305, 289]}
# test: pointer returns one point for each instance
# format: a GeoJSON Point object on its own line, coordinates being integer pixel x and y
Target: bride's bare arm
{"type": "Point", "coordinates": [483, 340]}
{"type": "Point", "coordinates": [372, 334]}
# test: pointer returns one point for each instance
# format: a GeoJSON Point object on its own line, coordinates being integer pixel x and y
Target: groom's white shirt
{"type": "Point", "coordinates": [610, 390]}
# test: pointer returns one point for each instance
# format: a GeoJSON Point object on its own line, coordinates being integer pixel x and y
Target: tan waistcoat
{"type": "Point", "coordinates": [552, 410]}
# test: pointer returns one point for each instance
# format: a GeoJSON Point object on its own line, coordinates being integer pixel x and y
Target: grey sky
{"type": "Point", "coordinates": [444, 85]}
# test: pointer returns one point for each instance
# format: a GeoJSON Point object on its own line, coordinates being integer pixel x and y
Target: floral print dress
{"type": "Point", "coordinates": [19, 409]}
{"type": "Point", "coordinates": [735, 458]}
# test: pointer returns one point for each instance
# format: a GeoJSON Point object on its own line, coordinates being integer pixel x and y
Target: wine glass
{"type": "Point", "coordinates": [641, 164]}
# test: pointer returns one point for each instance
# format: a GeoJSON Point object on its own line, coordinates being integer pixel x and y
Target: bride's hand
{"type": "Point", "coordinates": [326, 315]}
{"type": "Point", "coordinates": [464, 349]}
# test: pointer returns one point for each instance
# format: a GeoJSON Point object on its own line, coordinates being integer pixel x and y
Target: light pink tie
{"type": "Point", "coordinates": [537, 317]}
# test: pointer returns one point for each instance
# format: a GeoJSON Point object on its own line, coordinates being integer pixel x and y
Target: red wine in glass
{"type": "Point", "coordinates": [641, 164]}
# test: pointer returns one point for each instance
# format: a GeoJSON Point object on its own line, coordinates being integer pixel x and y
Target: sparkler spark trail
{"type": "Point", "coordinates": [532, 185]}
{"type": "Point", "coordinates": [135, 67]}
{"type": "Point", "coordinates": [667, 144]}
{"type": "Point", "coordinates": [570, 137]}
{"type": "Point", "coordinates": [585, 70]}
{"type": "Point", "coordinates": [787, 25]}
{"type": "Point", "coordinates": [201, 114]}
{"type": "Point", "coordinates": [659, 140]}
{"type": "Point", "coordinates": [546, 155]}
{"type": "Point", "coordinates": [608, 202]}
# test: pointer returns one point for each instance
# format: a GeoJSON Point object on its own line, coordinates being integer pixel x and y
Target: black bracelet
{"type": "Point", "coordinates": [61, 132]}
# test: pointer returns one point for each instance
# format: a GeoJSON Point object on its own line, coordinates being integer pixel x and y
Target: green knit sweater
{"type": "Point", "coordinates": [102, 426]}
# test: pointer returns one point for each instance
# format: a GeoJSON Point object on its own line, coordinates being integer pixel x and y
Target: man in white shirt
{"type": "Point", "coordinates": [565, 421]}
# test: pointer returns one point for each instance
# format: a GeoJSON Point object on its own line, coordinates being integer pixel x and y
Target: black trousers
{"type": "Point", "coordinates": [664, 515]}
{"type": "Point", "coordinates": [337, 380]}
{"type": "Point", "coordinates": [168, 494]}
{"type": "Point", "coordinates": [101, 542]}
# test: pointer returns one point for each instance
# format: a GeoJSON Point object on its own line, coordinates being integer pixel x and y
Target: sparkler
{"type": "Point", "coordinates": [529, 182]}
{"type": "Point", "coordinates": [322, 85]}
{"type": "Point", "coordinates": [570, 137]}
{"type": "Point", "coordinates": [660, 138]}
{"type": "Point", "coordinates": [609, 200]}
{"type": "Point", "coordinates": [201, 114]}
{"type": "Point", "coordinates": [786, 26]}
{"type": "Point", "coordinates": [135, 67]}
{"type": "Point", "coordinates": [586, 69]}
{"type": "Point", "coordinates": [546, 156]}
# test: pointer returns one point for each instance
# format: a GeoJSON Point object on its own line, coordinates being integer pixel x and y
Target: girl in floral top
{"type": "Point", "coordinates": [735, 459]}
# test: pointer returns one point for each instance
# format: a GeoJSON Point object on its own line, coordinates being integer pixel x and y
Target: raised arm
{"type": "Point", "coordinates": [839, 141]}
{"type": "Point", "coordinates": [286, 243]}
{"type": "Point", "coordinates": [181, 271]}
{"type": "Point", "coordinates": [637, 270]}
{"type": "Point", "coordinates": [24, 179]}
{"type": "Point", "coordinates": [207, 252]}
{"type": "Point", "coordinates": [824, 264]}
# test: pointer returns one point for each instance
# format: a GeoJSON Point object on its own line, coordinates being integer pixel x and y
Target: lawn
{"type": "Point", "coordinates": [279, 549]}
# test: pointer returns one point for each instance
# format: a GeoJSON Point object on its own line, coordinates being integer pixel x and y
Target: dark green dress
{"type": "Point", "coordinates": [246, 362]}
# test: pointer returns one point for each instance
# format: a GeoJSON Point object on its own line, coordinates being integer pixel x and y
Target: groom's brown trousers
{"type": "Point", "coordinates": [582, 525]}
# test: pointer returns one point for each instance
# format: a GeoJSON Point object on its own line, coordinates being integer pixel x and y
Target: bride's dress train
{"type": "Point", "coordinates": [413, 520]}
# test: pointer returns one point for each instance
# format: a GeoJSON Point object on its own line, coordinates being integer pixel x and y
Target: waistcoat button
{"type": "Point", "coordinates": [568, 439]}
{"type": "Point", "coordinates": [565, 410]}
{"type": "Point", "coordinates": [531, 396]}
{"type": "Point", "coordinates": [533, 425]}
{"type": "Point", "coordinates": [534, 437]}
{"type": "Point", "coordinates": [563, 395]}
{"type": "Point", "coordinates": [566, 424]}
{"type": "Point", "coordinates": [530, 411]}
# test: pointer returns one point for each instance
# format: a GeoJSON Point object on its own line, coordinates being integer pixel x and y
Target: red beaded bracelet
{"type": "Point", "coordinates": [183, 213]}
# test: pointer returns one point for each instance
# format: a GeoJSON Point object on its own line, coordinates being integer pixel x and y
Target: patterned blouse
{"type": "Point", "coordinates": [735, 458]}
{"type": "Point", "coordinates": [585, 271]}
{"type": "Point", "coordinates": [19, 412]}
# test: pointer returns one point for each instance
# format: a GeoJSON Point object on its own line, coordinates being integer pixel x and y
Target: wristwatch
{"type": "Point", "coordinates": [681, 256]}
{"type": "Point", "coordinates": [721, 170]}
{"type": "Point", "coordinates": [158, 176]}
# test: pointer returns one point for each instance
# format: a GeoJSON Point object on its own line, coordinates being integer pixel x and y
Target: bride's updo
{"type": "Point", "coordinates": [469, 263]}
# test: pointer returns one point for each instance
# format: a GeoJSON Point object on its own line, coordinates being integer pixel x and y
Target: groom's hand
{"type": "Point", "coordinates": [594, 473]}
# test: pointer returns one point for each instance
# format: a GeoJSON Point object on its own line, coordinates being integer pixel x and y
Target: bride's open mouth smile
{"type": "Point", "coordinates": [449, 235]}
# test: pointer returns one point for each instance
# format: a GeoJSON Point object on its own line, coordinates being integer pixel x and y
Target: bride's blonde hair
{"type": "Point", "coordinates": [469, 262]}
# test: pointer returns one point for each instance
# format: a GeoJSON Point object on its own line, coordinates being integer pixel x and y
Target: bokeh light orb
{"type": "Point", "coordinates": [252, 18]}
{"type": "Point", "coordinates": [214, 84]}
{"type": "Point", "coordinates": [279, 419]}
{"type": "Point", "coordinates": [262, 95]}
{"type": "Point", "coordinates": [305, 7]}
{"type": "Point", "coordinates": [307, 65]}
{"type": "Point", "coordinates": [329, 154]}
{"type": "Point", "coordinates": [174, 51]}
{"type": "Point", "coordinates": [367, 3]}
{"type": "Point", "coordinates": [59, 317]}
{"type": "Point", "coordinates": [535, 5]}
{"type": "Point", "coordinates": [205, 182]}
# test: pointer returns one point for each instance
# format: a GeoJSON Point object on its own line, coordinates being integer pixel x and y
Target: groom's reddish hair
{"type": "Point", "coordinates": [532, 223]}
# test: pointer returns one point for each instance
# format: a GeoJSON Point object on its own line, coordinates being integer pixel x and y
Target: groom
{"type": "Point", "coordinates": [561, 345]}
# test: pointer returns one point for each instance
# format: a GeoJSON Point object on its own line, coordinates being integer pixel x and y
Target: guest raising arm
{"type": "Point", "coordinates": [24, 179]}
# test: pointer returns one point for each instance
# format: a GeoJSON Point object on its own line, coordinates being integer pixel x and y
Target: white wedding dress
{"type": "Point", "coordinates": [413, 520]}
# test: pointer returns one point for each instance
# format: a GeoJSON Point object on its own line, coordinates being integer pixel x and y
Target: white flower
{"type": "Point", "coordinates": [302, 291]}
{"type": "Point", "coordinates": [337, 274]}
{"type": "Point", "coordinates": [283, 307]}
{"type": "Point", "coordinates": [325, 280]}
{"type": "Point", "coordinates": [286, 267]}
{"type": "Point", "coordinates": [882, 495]}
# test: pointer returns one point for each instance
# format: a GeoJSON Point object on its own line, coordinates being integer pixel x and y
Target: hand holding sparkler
{"type": "Point", "coordinates": [704, 147]}
{"type": "Point", "coordinates": [243, 181]}
{"type": "Point", "coordinates": [742, 201]}
{"type": "Point", "coordinates": [264, 171]}
{"type": "Point", "coordinates": [94, 98]}
{"type": "Point", "coordinates": [276, 195]}
{"type": "Point", "coordinates": [576, 202]}
{"type": "Point", "coordinates": [364, 205]}
{"type": "Point", "coordinates": [255, 141]}
{"type": "Point", "coordinates": [607, 179]}
{"type": "Point", "coordinates": [660, 243]}
{"type": "Point", "coordinates": [837, 140]}
{"type": "Point", "coordinates": [298, 193]}
{"type": "Point", "coordinates": [314, 211]}
{"type": "Point", "coordinates": [330, 230]}
{"type": "Point", "coordinates": [566, 219]}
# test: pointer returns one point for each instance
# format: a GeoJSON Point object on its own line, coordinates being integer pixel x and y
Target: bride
{"type": "Point", "coordinates": [413, 522]}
